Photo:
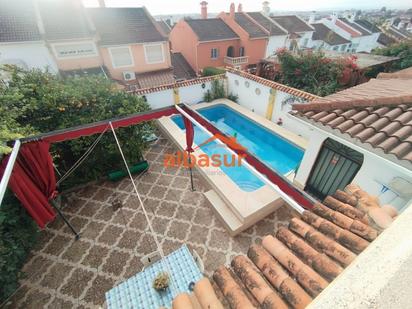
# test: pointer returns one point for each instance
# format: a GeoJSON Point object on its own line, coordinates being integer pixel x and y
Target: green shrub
{"type": "Point", "coordinates": [232, 97]}
{"type": "Point", "coordinates": [18, 233]}
{"type": "Point", "coordinates": [210, 71]}
{"type": "Point", "coordinates": [402, 50]}
{"type": "Point", "coordinates": [46, 102]}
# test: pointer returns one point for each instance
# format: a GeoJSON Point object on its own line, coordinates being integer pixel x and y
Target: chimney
{"type": "Point", "coordinates": [240, 8]}
{"type": "Point", "coordinates": [203, 9]}
{"type": "Point", "coordinates": [312, 17]}
{"type": "Point", "coordinates": [101, 4]}
{"type": "Point", "coordinates": [265, 8]}
{"type": "Point", "coordinates": [232, 10]}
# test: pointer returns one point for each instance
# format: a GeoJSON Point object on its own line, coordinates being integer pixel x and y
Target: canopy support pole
{"type": "Point", "coordinates": [9, 169]}
{"type": "Point", "coordinates": [191, 172]}
{"type": "Point", "coordinates": [76, 235]}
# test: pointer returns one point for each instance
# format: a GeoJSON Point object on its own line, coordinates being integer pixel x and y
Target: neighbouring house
{"type": "Point", "coordinates": [326, 39]}
{"type": "Point", "coordinates": [131, 44]}
{"type": "Point", "coordinates": [361, 135]}
{"type": "Point", "coordinates": [21, 41]}
{"type": "Point", "coordinates": [165, 26]}
{"type": "Point", "coordinates": [299, 31]}
{"type": "Point", "coordinates": [397, 34]}
{"type": "Point", "coordinates": [385, 40]}
{"type": "Point", "coordinates": [232, 39]}
{"type": "Point", "coordinates": [125, 44]}
{"type": "Point", "coordinates": [362, 34]}
{"type": "Point", "coordinates": [70, 35]}
{"type": "Point", "coordinates": [253, 39]}
{"type": "Point", "coordinates": [277, 35]}
{"type": "Point", "coordinates": [204, 42]}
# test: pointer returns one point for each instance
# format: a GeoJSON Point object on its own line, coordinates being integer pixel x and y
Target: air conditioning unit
{"type": "Point", "coordinates": [129, 75]}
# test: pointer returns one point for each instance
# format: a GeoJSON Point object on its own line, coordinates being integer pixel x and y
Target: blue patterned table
{"type": "Point", "coordinates": [137, 292]}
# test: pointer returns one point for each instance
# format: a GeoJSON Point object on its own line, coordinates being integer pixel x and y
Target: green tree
{"type": "Point", "coordinates": [38, 102]}
{"type": "Point", "coordinates": [313, 72]}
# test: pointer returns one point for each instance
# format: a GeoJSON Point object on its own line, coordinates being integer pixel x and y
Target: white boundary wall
{"type": "Point", "coordinates": [191, 94]}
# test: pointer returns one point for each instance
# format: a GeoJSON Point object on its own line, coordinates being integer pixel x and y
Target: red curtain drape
{"type": "Point", "coordinates": [33, 180]}
{"type": "Point", "coordinates": [189, 134]}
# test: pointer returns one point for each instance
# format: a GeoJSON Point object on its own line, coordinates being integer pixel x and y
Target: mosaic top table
{"type": "Point", "coordinates": [137, 291]}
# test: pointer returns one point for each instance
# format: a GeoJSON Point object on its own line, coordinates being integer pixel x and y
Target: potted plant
{"type": "Point", "coordinates": [161, 281]}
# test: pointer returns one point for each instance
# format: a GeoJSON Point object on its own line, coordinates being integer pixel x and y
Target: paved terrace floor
{"type": "Point", "coordinates": [63, 273]}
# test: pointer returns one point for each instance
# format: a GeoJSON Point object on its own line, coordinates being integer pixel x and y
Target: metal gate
{"type": "Point", "coordinates": [335, 167]}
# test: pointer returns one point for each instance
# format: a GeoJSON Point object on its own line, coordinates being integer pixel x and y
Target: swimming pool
{"type": "Point", "coordinates": [270, 148]}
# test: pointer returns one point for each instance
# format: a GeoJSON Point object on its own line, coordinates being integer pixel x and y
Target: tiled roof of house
{"type": "Point", "coordinates": [385, 39]}
{"type": "Point", "coordinates": [18, 22]}
{"type": "Point", "coordinates": [124, 26]}
{"type": "Point", "coordinates": [151, 80]}
{"type": "Point", "coordinates": [377, 113]}
{"type": "Point", "coordinates": [172, 85]}
{"type": "Point", "coordinates": [292, 23]}
{"type": "Point", "coordinates": [274, 85]}
{"type": "Point", "coordinates": [354, 33]}
{"type": "Point", "coordinates": [368, 25]}
{"type": "Point", "coordinates": [64, 20]}
{"type": "Point", "coordinates": [327, 35]}
{"type": "Point", "coordinates": [211, 29]}
{"type": "Point", "coordinates": [267, 23]}
{"type": "Point", "coordinates": [355, 26]}
{"type": "Point", "coordinates": [249, 26]}
{"type": "Point", "coordinates": [164, 26]}
{"type": "Point", "coordinates": [398, 34]}
{"type": "Point", "coordinates": [292, 267]}
{"type": "Point", "coordinates": [181, 68]}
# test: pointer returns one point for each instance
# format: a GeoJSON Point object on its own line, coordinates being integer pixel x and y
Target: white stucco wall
{"type": "Point", "coordinates": [375, 171]}
{"type": "Point", "coordinates": [160, 99]}
{"type": "Point", "coordinates": [189, 94]}
{"type": "Point", "coordinates": [275, 42]}
{"type": "Point", "coordinates": [248, 97]}
{"type": "Point", "coordinates": [34, 55]}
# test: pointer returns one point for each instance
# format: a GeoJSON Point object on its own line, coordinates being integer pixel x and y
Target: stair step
{"type": "Point", "coordinates": [226, 215]}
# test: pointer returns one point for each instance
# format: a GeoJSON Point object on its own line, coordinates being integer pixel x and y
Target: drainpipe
{"type": "Point", "coordinates": [9, 169]}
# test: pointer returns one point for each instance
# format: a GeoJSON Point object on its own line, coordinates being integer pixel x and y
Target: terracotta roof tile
{"type": "Point", "coordinates": [295, 265]}
{"type": "Point", "coordinates": [274, 85]}
{"type": "Point", "coordinates": [378, 113]}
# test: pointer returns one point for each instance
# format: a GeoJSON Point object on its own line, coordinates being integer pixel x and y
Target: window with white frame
{"type": "Point", "coordinates": [241, 51]}
{"type": "Point", "coordinates": [75, 50]}
{"type": "Point", "coordinates": [214, 53]}
{"type": "Point", "coordinates": [154, 53]}
{"type": "Point", "coordinates": [121, 56]}
{"type": "Point", "coordinates": [343, 47]}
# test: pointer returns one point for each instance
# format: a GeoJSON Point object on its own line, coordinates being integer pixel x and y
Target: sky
{"type": "Point", "coordinates": [165, 7]}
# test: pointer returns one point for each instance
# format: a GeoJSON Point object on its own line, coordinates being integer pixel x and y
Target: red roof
{"type": "Point", "coordinates": [347, 28]}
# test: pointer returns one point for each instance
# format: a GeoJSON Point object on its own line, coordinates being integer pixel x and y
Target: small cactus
{"type": "Point", "coordinates": [161, 282]}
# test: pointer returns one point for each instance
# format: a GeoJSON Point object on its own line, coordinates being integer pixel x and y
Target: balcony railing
{"type": "Point", "coordinates": [236, 60]}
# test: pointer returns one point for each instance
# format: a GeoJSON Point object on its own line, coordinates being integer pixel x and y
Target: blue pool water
{"type": "Point", "coordinates": [269, 147]}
